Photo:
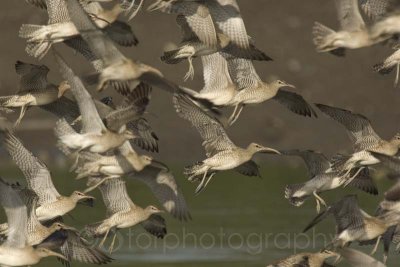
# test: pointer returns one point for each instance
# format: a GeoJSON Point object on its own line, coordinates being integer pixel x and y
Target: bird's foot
{"type": "Point", "coordinates": [190, 73]}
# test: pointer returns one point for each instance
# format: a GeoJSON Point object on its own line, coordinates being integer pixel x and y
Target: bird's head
{"type": "Point", "coordinates": [153, 209]}
{"type": "Point", "coordinates": [60, 226]}
{"type": "Point", "coordinates": [396, 140]}
{"type": "Point", "coordinates": [62, 88]}
{"type": "Point", "coordinates": [278, 84]}
{"type": "Point", "coordinates": [256, 148]}
{"type": "Point", "coordinates": [82, 198]}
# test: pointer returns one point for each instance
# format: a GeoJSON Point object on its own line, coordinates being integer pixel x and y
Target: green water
{"type": "Point", "coordinates": [237, 221]}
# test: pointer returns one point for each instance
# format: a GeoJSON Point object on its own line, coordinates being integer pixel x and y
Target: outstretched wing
{"type": "Point", "coordinates": [374, 9]}
{"type": "Point", "coordinates": [316, 162]}
{"type": "Point", "coordinates": [349, 15]}
{"type": "Point", "coordinates": [115, 196]}
{"type": "Point", "coordinates": [216, 74]}
{"type": "Point", "coordinates": [210, 129]}
{"type": "Point", "coordinates": [57, 11]}
{"type": "Point", "coordinates": [193, 17]}
{"type": "Point", "coordinates": [295, 103]}
{"type": "Point", "coordinates": [359, 259]}
{"type": "Point", "coordinates": [132, 109]}
{"type": "Point", "coordinates": [226, 14]}
{"type": "Point", "coordinates": [359, 127]}
{"type": "Point", "coordinates": [91, 121]}
{"type": "Point", "coordinates": [32, 77]}
{"type": "Point", "coordinates": [347, 214]}
{"type": "Point", "coordinates": [36, 173]}
{"type": "Point", "coordinates": [164, 187]}
{"type": "Point", "coordinates": [243, 73]}
{"type": "Point", "coordinates": [100, 44]}
{"type": "Point", "coordinates": [17, 216]}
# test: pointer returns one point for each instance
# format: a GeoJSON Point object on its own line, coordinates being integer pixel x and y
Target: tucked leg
{"type": "Point", "coordinates": [376, 245]}
{"type": "Point", "coordinates": [190, 73]}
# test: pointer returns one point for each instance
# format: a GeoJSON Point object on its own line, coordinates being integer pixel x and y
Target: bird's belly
{"type": "Point", "coordinates": [17, 257]}
{"type": "Point", "coordinates": [111, 170]}
{"type": "Point", "coordinates": [103, 143]}
{"type": "Point", "coordinates": [365, 158]}
{"type": "Point", "coordinates": [224, 161]}
{"type": "Point", "coordinates": [254, 96]}
{"type": "Point", "coordinates": [219, 97]}
{"type": "Point", "coordinates": [53, 210]}
{"type": "Point", "coordinates": [43, 99]}
{"type": "Point", "coordinates": [352, 40]}
{"type": "Point", "coordinates": [126, 219]}
{"type": "Point", "coordinates": [120, 71]}
{"type": "Point", "coordinates": [330, 184]}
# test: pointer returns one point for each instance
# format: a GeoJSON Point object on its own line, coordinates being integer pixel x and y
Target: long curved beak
{"type": "Point", "coordinates": [290, 85]}
{"type": "Point", "coordinates": [58, 255]}
{"type": "Point", "coordinates": [270, 150]}
{"type": "Point", "coordinates": [160, 165]}
{"type": "Point", "coordinates": [70, 228]}
{"type": "Point", "coordinates": [87, 201]}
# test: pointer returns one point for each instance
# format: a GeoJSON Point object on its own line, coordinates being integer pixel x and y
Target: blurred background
{"type": "Point", "coordinates": [282, 29]}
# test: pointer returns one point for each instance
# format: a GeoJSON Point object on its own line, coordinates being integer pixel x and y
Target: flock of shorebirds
{"type": "Point", "coordinates": [101, 136]}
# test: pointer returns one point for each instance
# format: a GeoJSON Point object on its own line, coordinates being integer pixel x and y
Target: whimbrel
{"type": "Point", "coordinates": [124, 73]}
{"type": "Point", "coordinates": [123, 213]}
{"type": "Point", "coordinates": [321, 180]}
{"type": "Point", "coordinates": [15, 251]}
{"type": "Point", "coordinates": [117, 165]}
{"type": "Point", "coordinates": [59, 27]}
{"type": "Point", "coordinates": [51, 204]}
{"type": "Point", "coordinates": [353, 32]}
{"type": "Point", "coordinates": [34, 89]}
{"type": "Point", "coordinates": [317, 259]}
{"type": "Point", "coordinates": [55, 235]}
{"type": "Point", "coordinates": [363, 136]}
{"type": "Point", "coordinates": [94, 136]}
{"type": "Point", "coordinates": [222, 153]}
{"type": "Point", "coordinates": [235, 83]}
{"type": "Point", "coordinates": [352, 223]}
{"type": "Point", "coordinates": [165, 188]}
{"type": "Point", "coordinates": [200, 38]}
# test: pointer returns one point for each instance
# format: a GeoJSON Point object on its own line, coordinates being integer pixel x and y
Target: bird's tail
{"type": "Point", "coordinates": [340, 162]}
{"type": "Point", "coordinates": [203, 103]}
{"type": "Point", "coordinates": [170, 57]}
{"type": "Point", "coordinates": [292, 189]}
{"type": "Point", "coordinates": [383, 68]}
{"type": "Point", "coordinates": [321, 216]}
{"type": "Point", "coordinates": [91, 230]}
{"type": "Point", "coordinates": [37, 46]}
{"type": "Point", "coordinates": [29, 31]}
{"type": "Point", "coordinates": [5, 100]}
{"type": "Point", "coordinates": [252, 53]}
{"type": "Point", "coordinates": [323, 39]}
{"type": "Point", "coordinates": [194, 170]}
